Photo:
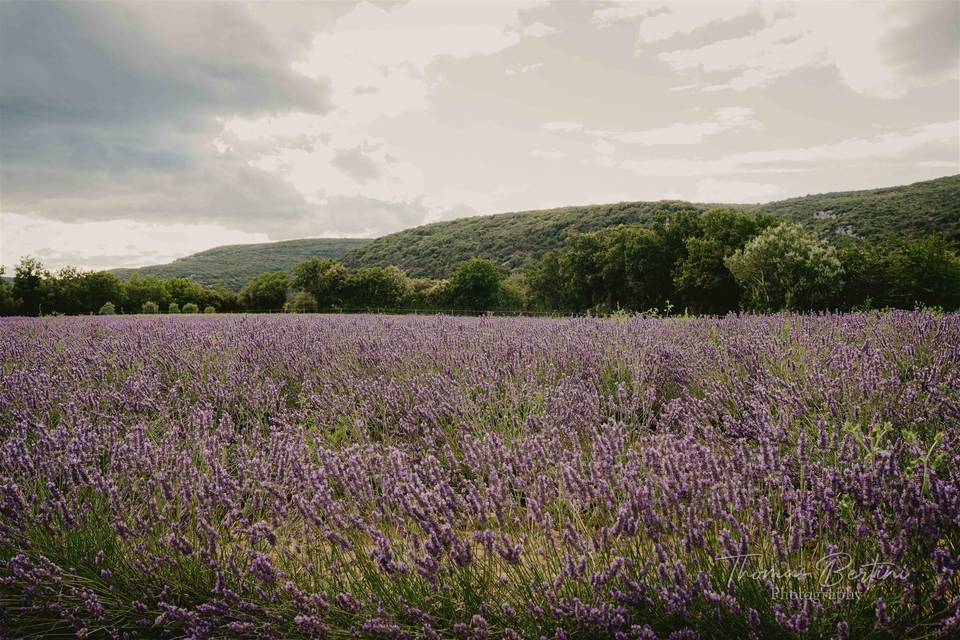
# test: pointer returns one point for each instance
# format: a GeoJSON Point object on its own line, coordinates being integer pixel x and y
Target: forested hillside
{"type": "Point", "coordinates": [233, 266]}
{"type": "Point", "coordinates": [511, 239]}
{"type": "Point", "coordinates": [433, 250]}
{"type": "Point", "coordinates": [892, 213]}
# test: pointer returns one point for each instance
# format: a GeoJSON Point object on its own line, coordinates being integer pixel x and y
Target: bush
{"type": "Point", "coordinates": [173, 308]}
{"type": "Point", "coordinates": [107, 309]}
{"type": "Point", "coordinates": [209, 309]}
{"type": "Point", "coordinates": [191, 308]}
{"type": "Point", "coordinates": [150, 307]}
{"type": "Point", "coordinates": [303, 302]}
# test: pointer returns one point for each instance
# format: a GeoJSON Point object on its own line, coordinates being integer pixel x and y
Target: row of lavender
{"type": "Point", "coordinates": [449, 477]}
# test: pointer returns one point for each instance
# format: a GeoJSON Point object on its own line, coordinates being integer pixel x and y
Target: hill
{"type": "Point", "coordinates": [511, 238]}
{"type": "Point", "coordinates": [433, 250]}
{"type": "Point", "coordinates": [912, 210]}
{"type": "Point", "coordinates": [234, 265]}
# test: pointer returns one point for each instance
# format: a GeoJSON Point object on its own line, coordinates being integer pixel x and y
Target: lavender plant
{"type": "Point", "coordinates": [427, 477]}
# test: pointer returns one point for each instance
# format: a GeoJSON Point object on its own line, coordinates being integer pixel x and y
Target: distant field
{"type": "Point", "coordinates": [400, 477]}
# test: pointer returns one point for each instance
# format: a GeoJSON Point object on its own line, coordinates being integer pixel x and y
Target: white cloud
{"type": "Point", "coordinates": [797, 36]}
{"type": "Point", "coordinates": [527, 68]}
{"type": "Point", "coordinates": [723, 121]}
{"type": "Point", "coordinates": [377, 57]}
{"type": "Point", "coordinates": [734, 191]}
{"type": "Point", "coordinates": [550, 155]}
{"type": "Point", "coordinates": [108, 244]}
{"type": "Point", "coordinates": [897, 146]}
{"type": "Point", "coordinates": [664, 21]}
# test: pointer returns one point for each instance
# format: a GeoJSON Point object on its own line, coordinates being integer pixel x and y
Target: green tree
{"type": "Point", "coordinates": [182, 291]}
{"type": "Point", "coordinates": [785, 268]}
{"type": "Point", "coordinates": [475, 285]}
{"type": "Point", "coordinates": [209, 309]}
{"type": "Point", "coordinates": [141, 289]}
{"type": "Point", "coordinates": [101, 287]}
{"type": "Point", "coordinates": [703, 281]}
{"type": "Point", "coordinates": [191, 307]}
{"type": "Point", "coordinates": [865, 282]}
{"type": "Point", "coordinates": [173, 307]}
{"type": "Point", "coordinates": [150, 307]}
{"type": "Point", "coordinates": [266, 292]}
{"type": "Point", "coordinates": [377, 288]}
{"type": "Point", "coordinates": [8, 304]}
{"type": "Point", "coordinates": [303, 302]}
{"type": "Point", "coordinates": [107, 309]}
{"type": "Point", "coordinates": [28, 279]}
{"type": "Point", "coordinates": [326, 280]}
{"type": "Point", "coordinates": [923, 271]}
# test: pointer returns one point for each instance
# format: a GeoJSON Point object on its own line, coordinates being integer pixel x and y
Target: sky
{"type": "Point", "coordinates": [135, 133]}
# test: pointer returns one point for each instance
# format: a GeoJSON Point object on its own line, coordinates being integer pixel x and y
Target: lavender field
{"type": "Point", "coordinates": [402, 477]}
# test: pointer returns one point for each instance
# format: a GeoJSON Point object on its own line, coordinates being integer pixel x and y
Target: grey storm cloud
{"type": "Point", "coordinates": [110, 109]}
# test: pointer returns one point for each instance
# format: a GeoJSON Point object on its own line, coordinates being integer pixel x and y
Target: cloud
{"type": "Point", "coordinates": [899, 147]}
{"type": "Point", "coordinates": [548, 155]}
{"type": "Point", "coordinates": [724, 120]}
{"type": "Point", "coordinates": [527, 68]}
{"type": "Point", "coordinates": [664, 21]}
{"type": "Point", "coordinates": [392, 47]}
{"type": "Point", "coordinates": [877, 62]}
{"type": "Point", "coordinates": [109, 243]}
{"type": "Point", "coordinates": [109, 109]}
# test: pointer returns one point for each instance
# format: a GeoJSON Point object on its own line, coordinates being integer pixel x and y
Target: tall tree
{"type": "Point", "coordinates": [28, 279]}
{"type": "Point", "coordinates": [785, 268]}
{"type": "Point", "coordinates": [703, 281]}
{"type": "Point", "coordinates": [326, 280]}
{"type": "Point", "coordinates": [266, 292]}
{"type": "Point", "coordinates": [475, 285]}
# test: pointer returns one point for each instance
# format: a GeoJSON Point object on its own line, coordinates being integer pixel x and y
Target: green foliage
{"type": "Point", "coordinates": [786, 268]}
{"type": "Point", "coordinates": [509, 239]}
{"type": "Point", "coordinates": [303, 302]}
{"type": "Point", "coordinates": [182, 291]}
{"type": "Point", "coordinates": [8, 304]}
{"type": "Point", "coordinates": [150, 307]}
{"type": "Point", "coordinates": [881, 216]}
{"type": "Point", "coordinates": [922, 272]}
{"type": "Point", "coordinates": [173, 307]}
{"type": "Point", "coordinates": [190, 307]}
{"type": "Point", "coordinates": [232, 266]}
{"type": "Point", "coordinates": [475, 285]}
{"type": "Point", "coordinates": [703, 282]}
{"type": "Point", "coordinates": [266, 292]}
{"type": "Point", "coordinates": [209, 309]}
{"type": "Point", "coordinates": [378, 288]}
{"type": "Point", "coordinates": [101, 287]}
{"type": "Point", "coordinates": [28, 278]}
{"type": "Point", "coordinates": [325, 280]}
{"type": "Point", "coordinates": [140, 289]}
{"type": "Point", "coordinates": [107, 309]}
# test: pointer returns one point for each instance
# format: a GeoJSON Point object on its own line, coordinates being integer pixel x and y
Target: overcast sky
{"type": "Point", "coordinates": [134, 133]}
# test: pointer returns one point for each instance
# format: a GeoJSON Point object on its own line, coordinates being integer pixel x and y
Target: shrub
{"type": "Point", "coordinates": [107, 309]}
{"type": "Point", "coordinates": [209, 309]}
{"type": "Point", "coordinates": [173, 308]}
{"type": "Point", "coordinates": [150, 307]}
{"type": "Point", "coordinates": [190, 307]}
{"type": "Point", "coordinates": [303, 302]}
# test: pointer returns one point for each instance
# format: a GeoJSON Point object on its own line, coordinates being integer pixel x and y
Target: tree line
{"type": "Point", "coordinates": [709, 262]}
